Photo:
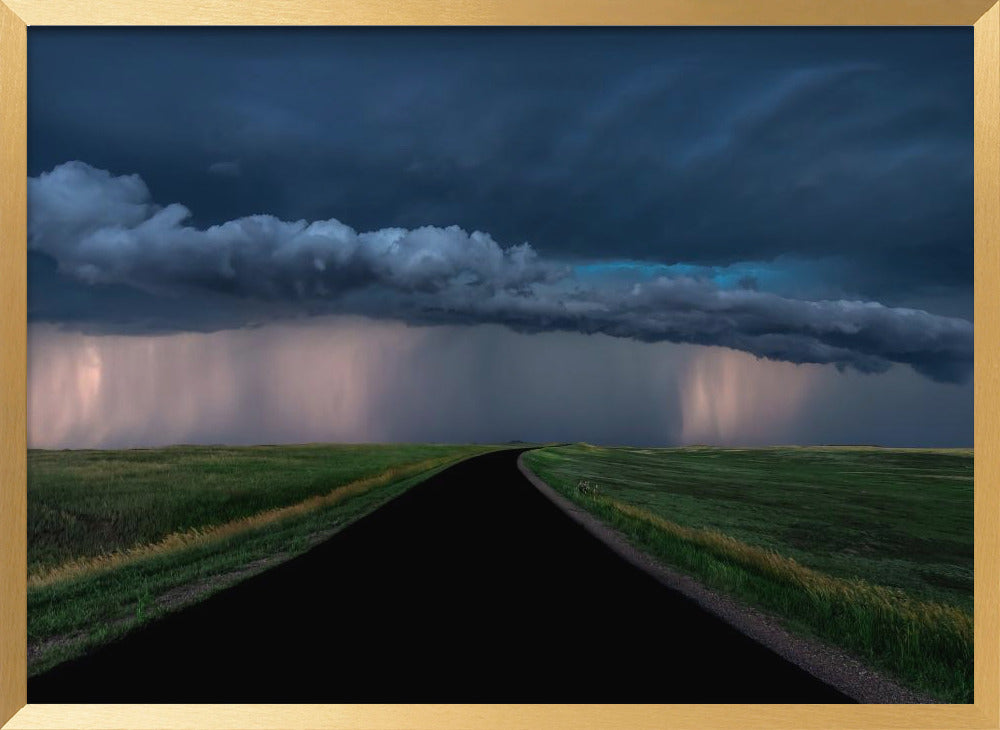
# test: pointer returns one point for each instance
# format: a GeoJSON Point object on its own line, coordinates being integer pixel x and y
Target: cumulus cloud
{"type": "Point", "coordinates": [104, 229]}
{"type": "Point", "coordinates": [112, 233]}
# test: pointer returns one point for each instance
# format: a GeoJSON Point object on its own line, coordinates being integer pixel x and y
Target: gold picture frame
{"type": "Point", "coordinates": [16, 15]}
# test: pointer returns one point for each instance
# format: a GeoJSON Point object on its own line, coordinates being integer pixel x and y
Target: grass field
{"type": "Point", "coordinates": [869, 549]}
{"type": "Point", "coordinates": [116, 538]}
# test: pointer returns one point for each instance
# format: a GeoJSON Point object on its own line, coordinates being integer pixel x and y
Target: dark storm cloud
{"type": "Point", "coordinates": [708, 147]}
{"type": "Point", "coordinates": [105, 230]}
{"type": "Point", "coordinates": [225, 168]}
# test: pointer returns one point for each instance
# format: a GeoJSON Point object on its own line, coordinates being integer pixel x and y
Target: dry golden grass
{"type": "Point", "coordinates": [929, 644]}
{"type": "Point", "coordinates": [198, 536]}
{"type": "Point", "coordinates": [819, 585]}
{"type": "Point", "coordinates": [854, 546]}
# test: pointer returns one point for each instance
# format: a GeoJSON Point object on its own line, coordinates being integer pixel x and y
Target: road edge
{"type": "Point", "coordinates": [213, 585]}
{"type": "Point", "coordinates": [828, 664]}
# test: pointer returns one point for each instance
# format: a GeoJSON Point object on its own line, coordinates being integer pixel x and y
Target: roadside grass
{"type": "Point", "coordinates": [195, 535]}
{"type": "Point", "coordinates": [88, 503]}
{"type": "Point", "coordinates": [103, 590]}
{"type": "Point", "coordinates": [822, 538]}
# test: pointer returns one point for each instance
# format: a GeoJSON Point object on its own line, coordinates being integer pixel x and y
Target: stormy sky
{"type": "Point", "coordinates": [648, 236]}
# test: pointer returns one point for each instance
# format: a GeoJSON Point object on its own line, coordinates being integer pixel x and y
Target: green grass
{"type": "Point", "coordinates": [868, 549]}
{"type": "Point", "coordinates": [87, 503]}
{"type": "Point", "coordinates": [116, 538]}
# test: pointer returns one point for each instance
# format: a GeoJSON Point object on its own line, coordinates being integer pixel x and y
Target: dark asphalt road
{"type": "Point", "coordinates": [471, 587]}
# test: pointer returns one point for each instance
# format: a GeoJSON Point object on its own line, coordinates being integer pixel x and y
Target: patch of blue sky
{"type": "Point", "coordinates": [784, 275]}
